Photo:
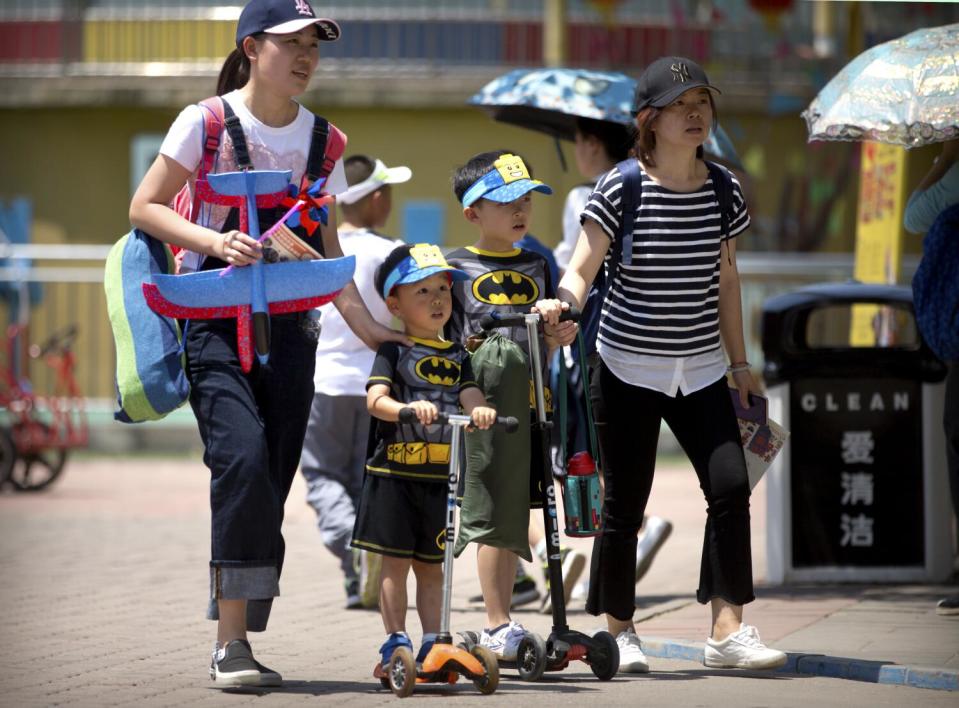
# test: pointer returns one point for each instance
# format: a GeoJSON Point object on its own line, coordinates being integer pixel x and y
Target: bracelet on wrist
{"type": "Point", "coordinates": [738, 366]}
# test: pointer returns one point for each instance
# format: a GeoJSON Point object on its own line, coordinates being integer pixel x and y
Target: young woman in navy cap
{"type": "Point", "coordinates": [252, 424]}
{"type": "Point", "coordinates": [668, 316]}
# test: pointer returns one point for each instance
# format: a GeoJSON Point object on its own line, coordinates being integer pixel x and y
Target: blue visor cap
{"type": "Point", "coordinates": [424, 260]}
{"type": "Point", "coordinates": [506, 182]}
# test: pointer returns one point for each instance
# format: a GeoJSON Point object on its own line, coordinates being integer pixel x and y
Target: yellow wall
{"type": "Point", "coordinates": [156, 40]}
{"type": "Point", "coordinates": [74, 164]}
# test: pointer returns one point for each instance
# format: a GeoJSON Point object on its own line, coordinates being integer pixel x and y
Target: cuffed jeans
{"type": "Point", "coordinates": [252, 427]}
{"type": "Point", "coordinates": [704, 424]}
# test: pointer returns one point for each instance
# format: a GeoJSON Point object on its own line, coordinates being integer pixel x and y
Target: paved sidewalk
{"type": "Point", "coordinates": [104, 582]}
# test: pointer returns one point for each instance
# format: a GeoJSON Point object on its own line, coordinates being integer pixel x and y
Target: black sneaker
{"type": "Point", "coordinates": [234, 665]}
{"type": "Point", "coordinates": [524, 592]}
{"type": "Point", "coordinates": [948, 606]}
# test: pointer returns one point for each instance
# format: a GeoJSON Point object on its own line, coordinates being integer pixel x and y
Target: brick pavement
{"type": "Point", "coordinates": [104, 582]}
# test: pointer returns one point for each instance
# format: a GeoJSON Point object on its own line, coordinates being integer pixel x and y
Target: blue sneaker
{"type": "Point", "coordinates": [392, 643]}
{"type": "Point", "coordinates": [424, 650]}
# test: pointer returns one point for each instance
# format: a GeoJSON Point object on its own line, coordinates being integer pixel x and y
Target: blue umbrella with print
{"type": "Point", "coordinates": [550, 101]}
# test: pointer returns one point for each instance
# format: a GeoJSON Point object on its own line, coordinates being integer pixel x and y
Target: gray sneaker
{"type": "Point", "coordinates": [651, 539]}
{"type": "Point", "coordinates": [948, 606]}
{"type": "Point", "coordinates": [234, 665]}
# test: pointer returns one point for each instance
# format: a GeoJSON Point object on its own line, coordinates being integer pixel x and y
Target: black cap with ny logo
{"type": "Point", "coordinates": [666, 79]}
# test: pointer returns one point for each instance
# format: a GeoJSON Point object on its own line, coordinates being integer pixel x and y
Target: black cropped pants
{"type": "Point", "coordinates": [704, 424]}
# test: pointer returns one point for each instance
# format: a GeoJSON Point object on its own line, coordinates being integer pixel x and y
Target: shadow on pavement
{"type": "Point", "coordinates": [559, 684]}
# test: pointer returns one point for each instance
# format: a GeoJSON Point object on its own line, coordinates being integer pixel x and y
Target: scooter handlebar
{"type": "Point", "coordinates": [493, 320]}
{"type": "Point", "coordinates": [507, 423]}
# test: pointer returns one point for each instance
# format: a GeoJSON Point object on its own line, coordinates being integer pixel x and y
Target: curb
{"type": "Point", "coordinates": [829, 666]}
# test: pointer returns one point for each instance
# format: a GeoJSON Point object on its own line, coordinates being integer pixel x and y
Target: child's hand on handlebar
{"type": "Point", "coordinates": [550, 310]}
{"type": "Point", "coordinates": [483, 417]}
{"type": "Point", "coordinates": [425, 411]}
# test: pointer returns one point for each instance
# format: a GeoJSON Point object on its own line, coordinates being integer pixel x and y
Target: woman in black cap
{"type": "Point", "coordinates": [672, 307]}
{"type": "Point", "coordinates": [252, 424]}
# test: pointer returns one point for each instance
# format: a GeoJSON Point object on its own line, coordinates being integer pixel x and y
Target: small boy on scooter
{"type": "Point", "coordinates": [402, 513]}
{"type": "Point", "coordinates": [495, 191]}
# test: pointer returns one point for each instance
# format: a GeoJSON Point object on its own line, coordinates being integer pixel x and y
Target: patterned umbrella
{"type": "Point", "coordinates": [550, 101]}
{"type": "Point", "coordinates": [903, 92]}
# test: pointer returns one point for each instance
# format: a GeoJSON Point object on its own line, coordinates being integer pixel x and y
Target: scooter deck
{"type": "Point", "coordinates": [443, 664]}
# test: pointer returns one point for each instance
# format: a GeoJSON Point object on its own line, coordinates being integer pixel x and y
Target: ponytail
{"type": "Point", "coordinates": [234, 74]}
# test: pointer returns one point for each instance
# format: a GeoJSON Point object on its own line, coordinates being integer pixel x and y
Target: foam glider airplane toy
{"type": "Point", "coordinates": [252, 293]}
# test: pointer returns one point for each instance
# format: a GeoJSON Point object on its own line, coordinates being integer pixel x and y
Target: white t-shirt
{"type": "Point", "coordinates": [343, 361]}
{"type": "Point", "coordinates": [285, 148]}
{"type": "Point", "coordinates": [575, 203]}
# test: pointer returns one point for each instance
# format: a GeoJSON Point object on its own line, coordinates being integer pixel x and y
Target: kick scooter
{"type": "Point", "coordinates": [563, 645]}
{"type": "Point", "coordinates": [445, 662]}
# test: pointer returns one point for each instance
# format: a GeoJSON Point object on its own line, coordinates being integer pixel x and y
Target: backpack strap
{"type": "Point", "coordinates": [631, 196]}
{"type": "Point", "coordinates": [316, 163]}
{"type": "Point", "coordinates": [235, 130]}
{"type": "Point", "coordinates": [212, 109]}
{"type": "Point", "coordinates": [723, 186]}
{"type": "Point", "coordinates": [326, 147]}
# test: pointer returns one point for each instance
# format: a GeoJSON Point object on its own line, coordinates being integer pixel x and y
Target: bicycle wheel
{"type": "Point", "coordinates": [8, 456]}
{"type": "Point", "coordinates": [36, 470]}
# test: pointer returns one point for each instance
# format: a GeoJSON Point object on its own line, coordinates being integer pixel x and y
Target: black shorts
{"type": "Point", "coordinates": [401, 518]}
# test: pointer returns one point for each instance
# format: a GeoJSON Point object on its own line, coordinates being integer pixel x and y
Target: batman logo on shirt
{"type": "Point", "coordinates": [506, 287]}
{"type": "Point", "coordinates": [438, 370]}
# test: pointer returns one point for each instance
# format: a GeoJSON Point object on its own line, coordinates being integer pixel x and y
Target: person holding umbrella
{"type": "Point", "coordinates": [671, 308]}
{"type": "Point", "coordinates": [937, 192]}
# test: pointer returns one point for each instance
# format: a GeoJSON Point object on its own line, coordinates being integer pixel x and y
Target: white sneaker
{"type": "Point", "coordinates": [742, 650]}
{"type": "Point", "coordinates": [580, 591]}
{"type": "Point", "coordinates": [651, 539]}
{"type": "Point", "coordinates": [504, 640]}
{"type": "Point", "coordinates": [631, 657]}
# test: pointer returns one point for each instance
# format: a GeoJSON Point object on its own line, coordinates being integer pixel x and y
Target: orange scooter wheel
{"type": "Point", "coordinates": [489, 682]}
{"type": "Point", "coordinates": [401, 672]}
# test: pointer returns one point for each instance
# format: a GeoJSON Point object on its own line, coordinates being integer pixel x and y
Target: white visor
{"type": "Point", "coordinates": [381, 175]}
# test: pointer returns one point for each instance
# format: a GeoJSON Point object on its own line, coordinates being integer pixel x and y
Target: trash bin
{"type": "Point", "coordinates": [860, 492]}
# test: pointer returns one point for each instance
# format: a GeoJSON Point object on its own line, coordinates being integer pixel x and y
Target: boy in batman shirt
{"type": "Point", "coordinates": [494, 189]}
{"type": "Point", "coordinates": [402, 514]}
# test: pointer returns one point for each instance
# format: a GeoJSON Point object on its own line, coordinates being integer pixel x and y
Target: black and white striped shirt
{"type": "Point", "coordinates": [665, 303]}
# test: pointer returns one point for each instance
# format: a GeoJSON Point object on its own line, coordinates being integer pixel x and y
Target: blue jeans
{"type": "Point", "coordinates": [252, 427]}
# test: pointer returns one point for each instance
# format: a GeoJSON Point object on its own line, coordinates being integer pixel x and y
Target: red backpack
{"type": "Point", "coordinates": [326, 147]}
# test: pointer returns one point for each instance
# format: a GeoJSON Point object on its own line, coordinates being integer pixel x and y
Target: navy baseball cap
{"type": "Point", "coordinates": [507, 181]}
{"type": "Point", "coordinates": [666, 79]}
{"type": "Point", "coordinates": [282, 17]}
